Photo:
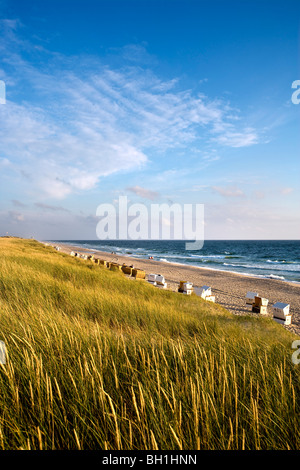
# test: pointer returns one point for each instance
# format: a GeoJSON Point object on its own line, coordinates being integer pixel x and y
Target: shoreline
{"type": "Point", "coordinates": [256, 276]}
{"type": "Point", "coordinates": [93, 250]}
{"type": "Point", "coordinates": [170, 263]}
{"type": "Point", "coordinates": [230, 288]}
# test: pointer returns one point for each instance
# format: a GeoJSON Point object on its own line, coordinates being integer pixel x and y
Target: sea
{"type": "Point", "coordinates": [273, 259]}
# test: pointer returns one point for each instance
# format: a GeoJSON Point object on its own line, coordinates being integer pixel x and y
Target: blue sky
{"type": "Point", "coordinates": [160, 101]}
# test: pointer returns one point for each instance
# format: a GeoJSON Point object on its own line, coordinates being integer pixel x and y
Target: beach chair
{"type": "Point", "coordinates": [151, 278]}
{"type": "Point", "coordinates": [115, 267]}
{"type": "Point", "coordinates": [160, 280]}
{"type": "Point", "coordinates": [138, 273]}
{"type": "Point", "coordinates": [281, 313]}
{"type": "Point", "coordinates": [126, 269]}
{"type": "Point", "coordinates": [204, 292]}
{"type": "Point", "coordinates": [260, 305]}
{"type": "Point", "coordinates": [185, 287]}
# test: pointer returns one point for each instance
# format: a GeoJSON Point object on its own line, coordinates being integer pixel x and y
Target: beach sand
{"type": "Point", "coordinates": [229, 288]}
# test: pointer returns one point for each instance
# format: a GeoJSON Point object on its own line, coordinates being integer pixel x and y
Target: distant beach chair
{"type": "Point", "coordinates": [185, 287]}
{"type": "Point", "coordinates": [160, 279]}
{"type": "Point", "coordinates": [281, 313]}
{"type": "Point", "coordinates": [260, 305]}
{"type": "Point", "coordinates": [157, 280]}
{"type": "Point", "coordinates": [126, 269]}
{"type": "Point", "coordinates": [138, 273]}
{"type": "Point", "coordinates": [152, 279]}
{"type": "Point", "coordinates": [203, 291]}
{"type": "Point", "coordinates": [115, 267]}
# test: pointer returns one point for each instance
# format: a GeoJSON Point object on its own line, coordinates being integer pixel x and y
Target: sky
{"type": "Point", "coordinates": [164, 102]}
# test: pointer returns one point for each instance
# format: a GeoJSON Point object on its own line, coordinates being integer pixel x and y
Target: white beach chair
{"type": "Point", "coordinates": [203, 292]}
{"type": "Point", "coordinates": [281, 313]}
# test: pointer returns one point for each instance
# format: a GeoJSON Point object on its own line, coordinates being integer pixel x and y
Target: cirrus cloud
{"type": "Point", "coordinates": [144, 193]}
{"type": "Point", "coordinates": [84, 120]}
{"type": "Point", "coordinates": [228, 191]}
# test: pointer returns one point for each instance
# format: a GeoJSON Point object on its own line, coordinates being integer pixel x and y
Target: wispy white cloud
{"type": "Point", "coordinates": [144, 193]}
{"type": "Point", "coordinates": [18, 203]}
{"type": "Point", "coordinates": [84, 120]}
{"type": "Point", "coordinates": [228, 191]}
{"type": "Point", "coordinates": [285, 191]}
{"type": "Point", "coordinates": [232, 138]}
{"type": "Point", "coordinates": [49, 207]}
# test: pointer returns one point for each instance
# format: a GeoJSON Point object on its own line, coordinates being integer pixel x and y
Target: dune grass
{"type": "Point", "coordinates": [97, 361]}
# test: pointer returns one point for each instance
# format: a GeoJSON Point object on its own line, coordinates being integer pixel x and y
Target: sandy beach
{"type": "Point", "coordinates": [229, 288]}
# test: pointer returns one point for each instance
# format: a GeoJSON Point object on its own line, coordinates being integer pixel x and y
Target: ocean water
{"type": "Point", "coordinates": [274, 259]}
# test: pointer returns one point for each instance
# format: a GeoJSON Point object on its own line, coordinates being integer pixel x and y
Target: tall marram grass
{"type": "Point", "coordinates": [96, 361]}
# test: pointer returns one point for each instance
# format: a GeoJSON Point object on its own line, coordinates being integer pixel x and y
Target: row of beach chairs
{"type": "Point", "coordinates": [113, 266]}
{"type": "Point", "coordinates": [185, 287]}
{"type": "Point", "coordinates": [258, 304]}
